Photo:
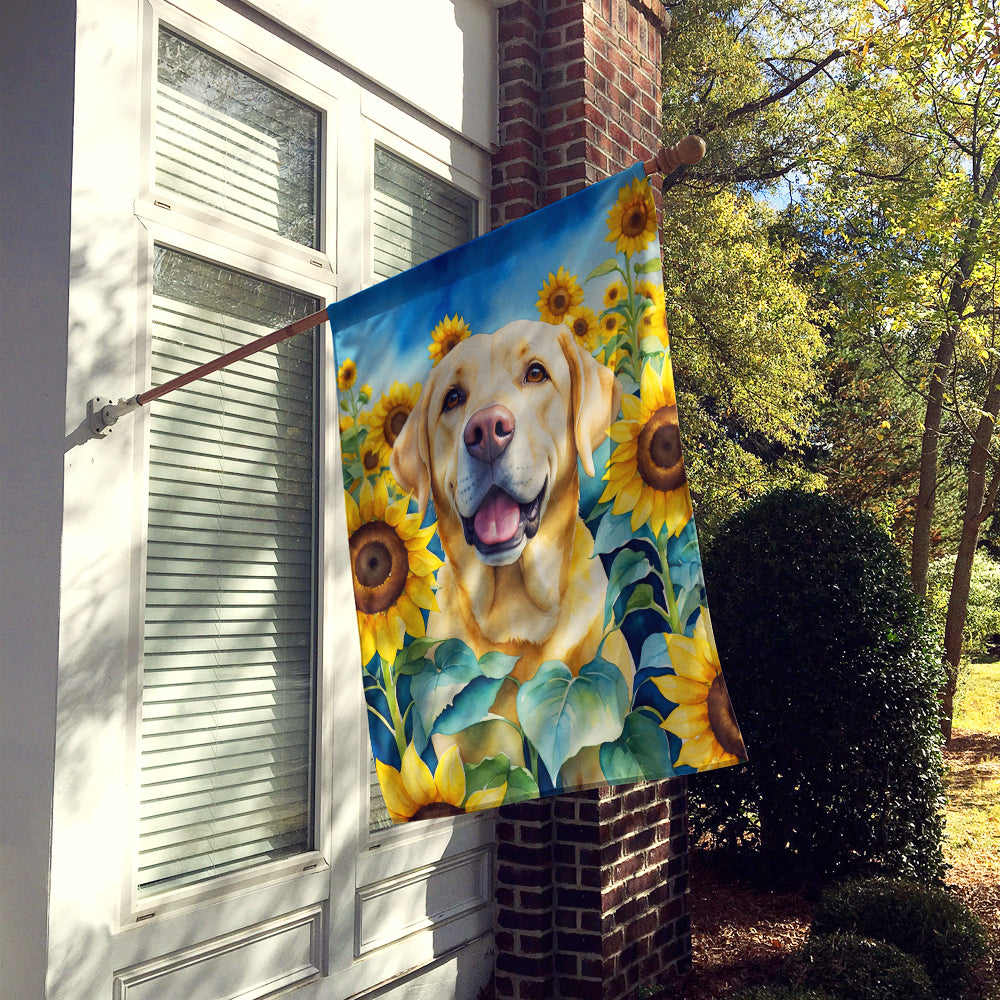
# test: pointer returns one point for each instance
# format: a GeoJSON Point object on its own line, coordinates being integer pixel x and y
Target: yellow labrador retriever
{"type": "Point", "coordinates": [494, 439]}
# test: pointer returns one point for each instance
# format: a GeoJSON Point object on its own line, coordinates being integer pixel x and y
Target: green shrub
{"type": "Point", "coordinates": [833, 673]}
{"type": "Point", "coordinates": [856, 968]}
{"type": "Point", "coordinates": [782, 993]}
{"type": "Point", "coordinates": [925, 922]}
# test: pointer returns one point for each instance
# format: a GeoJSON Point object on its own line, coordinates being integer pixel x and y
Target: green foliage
{"type": "Point", "coordinates": [780, 992]}
{"type": "Point", "coordinates": [983, 611]}
{"type": "Point", "coordinates": [833, 673]}
{"type": "Point", "coordinates": [747, 355]}
{"type": "Point", "coordinates": [856, 968]}
{"type": "Point", "coordinates": [924, 921]}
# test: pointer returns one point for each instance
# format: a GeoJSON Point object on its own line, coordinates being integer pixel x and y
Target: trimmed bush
{"type": "Point", "coordinates": [782, 993]}
{"type": "Point", "coordinates": [833, 673]}
{"type": "Point", "coordinates": [925, 922]}
{"type": "Point", "coordinates": [857, 968]}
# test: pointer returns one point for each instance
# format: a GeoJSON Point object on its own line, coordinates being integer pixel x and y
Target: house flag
{"type": "Point", "coordinates": [530, 602]}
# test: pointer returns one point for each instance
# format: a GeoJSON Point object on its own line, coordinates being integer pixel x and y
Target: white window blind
{"type": "Point", "coordinates": [416, 216]}
{"type": "Point", "coordinates": [228, 661]}
{"type": "Point", "coordinates": [228, 140]}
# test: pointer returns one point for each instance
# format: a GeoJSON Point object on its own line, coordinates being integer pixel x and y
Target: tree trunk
{"type": "Point", "coordinates": [979, 502]}
{"type": "Point", "coordinates": [920, 553]}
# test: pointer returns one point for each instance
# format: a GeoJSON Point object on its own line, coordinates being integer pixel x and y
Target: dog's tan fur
{"type": "Point", "coordinates": [548, 603]}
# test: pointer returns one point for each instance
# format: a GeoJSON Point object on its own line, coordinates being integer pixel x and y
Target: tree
{"type": "Point", "coordinates": [913, 182]}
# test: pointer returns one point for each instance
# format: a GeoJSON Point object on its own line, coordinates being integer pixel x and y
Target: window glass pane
{"type": "Point", "coordinates": [231, 141]}
{"type": "Point", "coordinates": [416, 215]}
{"type": "Point", "coordinates": [228, 660]}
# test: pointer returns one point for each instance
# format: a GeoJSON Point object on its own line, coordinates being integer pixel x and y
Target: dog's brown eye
{"type": "Point", "coordinates": [536, 372]}
{"type": "Point", "coordinates": [453, 397]}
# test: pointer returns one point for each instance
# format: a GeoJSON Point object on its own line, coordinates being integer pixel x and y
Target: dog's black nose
{"type": "Point", "coordinates": [488, 432]}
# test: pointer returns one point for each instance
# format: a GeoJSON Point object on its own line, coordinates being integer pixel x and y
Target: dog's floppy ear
{"type": "Point", "coordinates": [410, 458]}
{"type": "Point", "coordinates": [597, 394]}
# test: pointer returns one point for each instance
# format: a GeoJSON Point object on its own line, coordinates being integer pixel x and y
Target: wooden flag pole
{"type": "Point", "coordinates": [103, 413]}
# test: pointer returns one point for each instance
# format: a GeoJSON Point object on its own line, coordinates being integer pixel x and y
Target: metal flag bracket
{"type": "Point", "coordinates": [103, 413]}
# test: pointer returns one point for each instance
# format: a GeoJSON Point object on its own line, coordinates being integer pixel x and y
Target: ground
{"type": "Point", "coordinates": [742, 935]}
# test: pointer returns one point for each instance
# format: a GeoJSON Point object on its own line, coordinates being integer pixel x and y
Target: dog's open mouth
{"type": "Point", "coordinates": [501, 523]}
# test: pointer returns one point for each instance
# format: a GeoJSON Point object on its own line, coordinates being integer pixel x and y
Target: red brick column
{"type": "Point", "coordinates": [591, 889]}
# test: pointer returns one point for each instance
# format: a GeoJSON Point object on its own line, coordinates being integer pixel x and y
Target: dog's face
{"type": "Point", "coordinates": [497, 430]}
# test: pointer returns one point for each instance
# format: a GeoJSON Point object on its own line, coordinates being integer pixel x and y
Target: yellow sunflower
{"type": "Point", "coordinates": [615, 294]}
{"type": "Point", "coordinates": [447, 335]}
{"type": "Point", "coordinates": [645, 473]}
{"type": "Point", "coordinates": [387, 417]}
{"type": "Point", "coordinates": [632, 220]}
{"type": "Point", "coordinates": [610, 325]}
{"type": "Point", "coordinates": [560, 293]}
{"type": "Point", "coordinates": [583, 324]}
{"type": "Point", "coordinates": [346, 375]}
{"type": "Point", "coordinates": [393, 570]}
{"type": "Point", "coordinates": [704, 717]}
{"type": "Point", "coordinates": [346, 422]}
{"type": "Point", "coordinates": [413, 792]}
{"type": "Point", "coordinates": [653, 322]}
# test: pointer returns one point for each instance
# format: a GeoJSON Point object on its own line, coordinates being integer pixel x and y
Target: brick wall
{"type": "Point", "coordinates": [591, 889]}
{"type": "Point", "coordinates": [579, 96]}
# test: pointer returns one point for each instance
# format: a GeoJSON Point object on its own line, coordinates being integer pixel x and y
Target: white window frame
{"type": "Point", "coordinates": [351, 872]}
{"type": "Point", "coordinates": [180, 224]}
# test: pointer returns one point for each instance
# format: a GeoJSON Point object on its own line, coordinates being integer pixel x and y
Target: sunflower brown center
{"type": "Point", "coordinates": [435, 809]}
{"type": "Point", "coordinates": [393, 423]}
{"type": "Point", "coordinates": [451, 343]}
{"type": "Point", "coordinates": [559, 301]}
{"type": "Point", "coordinates": [722, 720]}
{"type": "Point", "coordinates": [370, 460]}
{"type": "Point", "coordinates": [658, 455]}
{"type": "Point", "coordinates": [380, 564]}
{"type": "Point", "coordinates": [580, 327]}
{"type": "Point", "coordinates": [634, 221]}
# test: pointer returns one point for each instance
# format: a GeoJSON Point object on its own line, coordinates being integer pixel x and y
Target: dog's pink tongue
{"type": "Point", "coordinates": [498, 518]}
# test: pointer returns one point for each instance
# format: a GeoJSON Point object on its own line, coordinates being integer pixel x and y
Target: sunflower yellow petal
{"type": "Point", "coordinates": [420, 592]}
{"type": "Point", "coordinates": [390, 634]}
{"type": "Point", "coordinates": [417, 778]}
{"type": "Point", "coordinates": [486, 798]}
{"type": "Point", "coordinates": [700, 752]}
{"type": "Point", "coordinates": [367, 632]}
{"type": "Point", "coordinates": [624, 430]}
{"type": "Point", "coordinates": [685, 660]}
{"type": "Point", "coordinates": [380, 498]}
{"type": "Point", "coordinates": [681, 690]}
{"type": "Point", "coordinates": [394, 792]}
{"type": "Point", "coordinates": [410, 613]}
{"type": "Point", "coordinates": [423, 563]}
{"type": "Point", "coordinates": [687, 721]}
{"type": "Point", "coordinates": [449, 777]}
{"type": "Point", "coordinates": [633, 409]}
{"type": "Point", "coordinates": [353, 514]}
{"type": "Point", "coordinates": [642, 509]}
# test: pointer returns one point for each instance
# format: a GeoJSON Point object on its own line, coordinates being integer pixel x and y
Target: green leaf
{"type": "Point", "coordinates": [649, 266]}
{"type": "Point", "coordinates": [454, 690]}
{"type": "Point", "coordinates": [611, 264]}
{"type": "Point", "coordinates": [410, 660]}
{"type": "Point", "coordinates": [520, 786]}
{"type": "Point", "coordinates": [491, 772]}
{"type": "Point", "coordinates": [641, 598]}
{"type": "Point", "coordinates": [628, 567]}
{"type": "Point", "coordinates": [561, 714]}
{"type": "Point", "coordinates": [615, 531]}
{"type": "Point", "coordinates": [641, 752]}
